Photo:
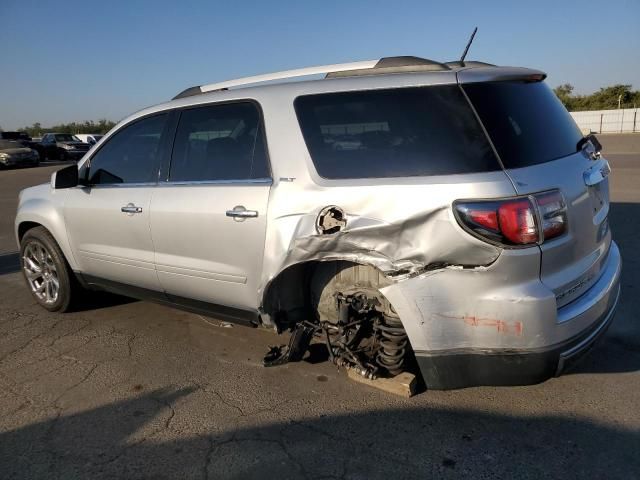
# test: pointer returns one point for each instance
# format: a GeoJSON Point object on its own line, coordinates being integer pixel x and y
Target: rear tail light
{"type": "Point", "coordinates": [515, 222]}
{"type": "Point", "coordinates": [553, 214]}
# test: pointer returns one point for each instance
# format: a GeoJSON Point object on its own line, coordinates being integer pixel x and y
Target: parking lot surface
{"type": "Point", "coordinates": [129, 389]}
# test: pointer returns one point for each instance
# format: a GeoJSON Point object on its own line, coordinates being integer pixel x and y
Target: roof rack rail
{"type": "Point", "coordinates": [368, 67]}
{"type": "Point", "coordinates": [470, 63]}
{"type": "Point", "coordinates": [268, 77]}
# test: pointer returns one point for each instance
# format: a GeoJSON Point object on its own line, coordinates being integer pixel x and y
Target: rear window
{"type": "Point", "coordinates": [393, 133]}
{"type": "Point", "coordinates": [526, 122]}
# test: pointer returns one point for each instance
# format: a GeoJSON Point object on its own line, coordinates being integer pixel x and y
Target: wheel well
{"type": "Point", "coordinates": [24, 227]}
{"type": "Point", "coordinates": [305, 291]}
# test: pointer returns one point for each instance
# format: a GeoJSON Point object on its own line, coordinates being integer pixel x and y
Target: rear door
{"type": "Point", "coordinates": [208, 220]}
{"type": "Point", "coordinates": [537, 141]}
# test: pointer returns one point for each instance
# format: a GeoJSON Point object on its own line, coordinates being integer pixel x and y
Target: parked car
{"type": "Point", "coordinates": [14, 154]}
{"type": "Point", "coordinates": [21, 137]}
{"type": "Point", "coordinates": [62, 146]}
{"type": "Point", "coordinates": [91, 139]}
{"type": "Point", "coordinates": [16, 136]}
{"type": "Point", "coordinates": [469, 237]}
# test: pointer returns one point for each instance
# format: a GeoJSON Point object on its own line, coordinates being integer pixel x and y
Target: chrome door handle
{"type": "Point", "coordinates": [240, 213]}
{"type": "Point", "coordinates": [131, 209]}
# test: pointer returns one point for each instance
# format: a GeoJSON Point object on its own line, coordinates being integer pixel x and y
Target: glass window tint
{"type": "Point", "coordinates": [526, 122]}
{"type": "Point", "coordinates": [132, 155]}
{"type": "Point", "coordinates": [219, 142]}
{"type": "Point", "coordinates": [394, 133]}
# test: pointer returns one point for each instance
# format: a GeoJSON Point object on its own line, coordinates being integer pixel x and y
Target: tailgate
{"type": "Point", "coordinates": [573, 262]}
{"type": "Point", "coordinates": [539, 145]}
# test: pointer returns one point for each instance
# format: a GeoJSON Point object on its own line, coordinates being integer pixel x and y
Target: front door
{"type": "Point", "coordinates": [108, 221]}
{"type": "Point", "coordinates": [208, 221]}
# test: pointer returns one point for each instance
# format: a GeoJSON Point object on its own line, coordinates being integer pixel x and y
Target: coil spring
{"type": "Point", "coordinates": [393, 343]}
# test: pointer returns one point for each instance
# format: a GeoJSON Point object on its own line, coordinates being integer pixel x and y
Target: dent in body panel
{"type": "Point", "coordinates": [493, 307]}
{"type": "Point", "coordinates": [398, 249]}
{"type": "Point", "coordinates": [401, 226]}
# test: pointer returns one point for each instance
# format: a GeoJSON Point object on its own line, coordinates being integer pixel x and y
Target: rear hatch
{"type": "Point", "coordinates": [537, 141]}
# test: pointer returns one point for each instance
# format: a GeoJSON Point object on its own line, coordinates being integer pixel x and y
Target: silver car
{"type": "Point", "coordinates": [462, 234]}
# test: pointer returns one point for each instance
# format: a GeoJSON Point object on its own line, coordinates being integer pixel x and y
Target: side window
{"type": "Point", "coordinates": [219, 142]}
{"type": "Point", "coordinates": [132, 155]}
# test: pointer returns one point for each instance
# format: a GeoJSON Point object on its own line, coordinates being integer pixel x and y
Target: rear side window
{"type": "Point", "coordinates": [219, 142]}
{"type": "Point", "coordinates": [526, 122]}
{"type": "Point", "coordinates": [393, 133]}
{"type": "Point", "coordinates": [132, 155]}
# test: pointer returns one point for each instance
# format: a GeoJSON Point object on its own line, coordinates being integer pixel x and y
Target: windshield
{"type": "Point", "coordinates": [526, 122]}
{"type": "Point", "coordinates": [97, 137]}
{"type": "Point", "coordinates": [66, 137]}
{"type": "Point", "coordinates": [401, 132]}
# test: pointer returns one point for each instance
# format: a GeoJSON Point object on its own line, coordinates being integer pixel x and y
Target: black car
{"type": "Point", "coordinates": [15, 154]}
{"type": "Point", "coordinates": [62, 146]}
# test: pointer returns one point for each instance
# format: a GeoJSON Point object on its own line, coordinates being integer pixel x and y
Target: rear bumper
{"type": "Point", "coordinates": [509, 368]}
{"type": "Point", "coordinates": [522, 341]}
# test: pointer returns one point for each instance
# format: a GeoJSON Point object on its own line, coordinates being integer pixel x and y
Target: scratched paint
{"type": "Point", "coordinates": [502, 326]}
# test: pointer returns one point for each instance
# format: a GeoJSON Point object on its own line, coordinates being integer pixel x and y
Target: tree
{"type": "Point", "coordinates": [89, 126]}
{"type": "Point", "coordinates": [563, 92]}
{"type": "Point", "coordinates": [605, 99]}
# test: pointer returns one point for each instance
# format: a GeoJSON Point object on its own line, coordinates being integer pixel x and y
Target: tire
{"type": "Point", "coordinates": [62, 155]}
{"type": "Point", "coordinates": [43, 264]}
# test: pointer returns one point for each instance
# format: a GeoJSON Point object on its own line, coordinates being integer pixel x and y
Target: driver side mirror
{"type": "Point", "coordinates": [65, 178]}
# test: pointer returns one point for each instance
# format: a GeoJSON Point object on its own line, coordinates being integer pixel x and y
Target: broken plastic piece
{"type": "Point", "coordinates": [298, 345]}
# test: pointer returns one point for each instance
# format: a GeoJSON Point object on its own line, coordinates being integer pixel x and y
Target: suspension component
{"type": "Point", "coordinates": [393, 344]}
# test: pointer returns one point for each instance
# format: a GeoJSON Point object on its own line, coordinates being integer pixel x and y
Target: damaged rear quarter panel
{"type": "Point", "coordinates": [485, 308]}
{"type": "Point", "coordinates": [398, 225]}
{"type": "Point", "coordinates": [397, 228]}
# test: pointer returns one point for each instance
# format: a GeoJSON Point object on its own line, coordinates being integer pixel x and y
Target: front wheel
{"type": "Point", "coordinates": [62, 155]}
{"type": "Point", "coordinates": [46, 271]}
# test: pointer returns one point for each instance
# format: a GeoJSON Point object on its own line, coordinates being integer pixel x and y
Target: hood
{"type": "Point", "coordinates": [74, 143]}
{"type": "Point", "coordinates": [15, 151]}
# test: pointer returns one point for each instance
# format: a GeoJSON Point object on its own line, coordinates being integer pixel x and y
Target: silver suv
{"type": "Point", "coordinates": [409, 214]}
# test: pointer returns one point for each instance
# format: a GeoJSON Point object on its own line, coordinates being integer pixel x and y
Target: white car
{"type": "Point", "coordinates": [90, 138]}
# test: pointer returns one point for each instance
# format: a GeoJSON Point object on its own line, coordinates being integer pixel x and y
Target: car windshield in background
{"type": "Point", "coordinates": [65, 137]}
{"type": "Point", "coordinates": [403, 132]}
{"type": "Point", "coordinates": [97, 137]}
{"type": "Point", "coordinates": [8, 144]}
{"type": "Point", "coordinates": [526, 122]}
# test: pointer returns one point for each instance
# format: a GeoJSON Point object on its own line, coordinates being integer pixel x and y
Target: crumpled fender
{"type": "Point", "coordinates": [398, 249]}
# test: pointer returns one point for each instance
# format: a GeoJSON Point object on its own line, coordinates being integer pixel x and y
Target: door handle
{"type": "Point", "coordinates": [131, 209]}
{"type": "Point", "coordinates": [239, 213]}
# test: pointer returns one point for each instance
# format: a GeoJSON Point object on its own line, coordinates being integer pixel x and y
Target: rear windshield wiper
{"type": "Point", "coordinates": [589, 138]}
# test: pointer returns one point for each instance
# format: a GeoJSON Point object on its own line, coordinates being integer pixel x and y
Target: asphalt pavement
{"type": "Point", "coordinates": [129, 389]}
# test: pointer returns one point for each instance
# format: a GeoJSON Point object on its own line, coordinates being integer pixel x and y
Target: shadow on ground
{"type": "Point", "coordinates": [407, 443]}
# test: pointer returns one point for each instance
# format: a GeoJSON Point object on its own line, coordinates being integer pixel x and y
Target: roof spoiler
{"type": "Point", "coordinates": [402, 64]}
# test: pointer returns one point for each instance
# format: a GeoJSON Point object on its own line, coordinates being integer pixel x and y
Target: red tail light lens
{"type": "Point", "coordinates": [515, 221]}
{"type": "Point", "coordinates": [518, 222]}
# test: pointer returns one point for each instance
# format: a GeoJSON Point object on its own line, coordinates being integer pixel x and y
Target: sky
{"type": "Point", "coordinates": [73, 60]}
